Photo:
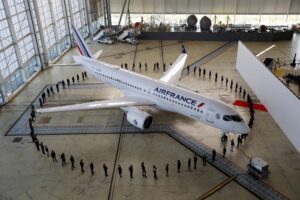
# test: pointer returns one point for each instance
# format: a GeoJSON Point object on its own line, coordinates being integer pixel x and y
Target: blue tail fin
{"type": "Point", "coordinates": [82, 47]}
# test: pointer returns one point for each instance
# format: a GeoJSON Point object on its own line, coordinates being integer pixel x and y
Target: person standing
{"type": "Point", "coordinates": [131, 171]}
{"type": "Point", "coordinates": [209, 75]}
{"type": "Point", "coordinates": [30, 123]}
{"type": "Point", "coordinates": [226, 82]}
{"type": "Point", "coordinates": [41, 102]}
{"type": "Point", "coordinates": [195, 161]}
{"type": "Point", "coordinates": [53, 156]}
{"type": "Point", "coordinates": [222, 79]}
{"type": "Point", "coordinates": [47, 150]}
{"type": "Point", "coordinates": [42, 148]}
{"type": "Point", "coordinates": [199, 70]}
{"type": "Point", "coordinates": [63, 159]}
{"type": "Point", "coordinates": [145, 66]}
{"type": "Point", "coordinates": [68, 82]}
{"type": "Point", "coordinates": [77, 76]}
{"type": "Point", "coordinates": [82, 76]}
{"type": "Point", "coordinates": [189, 163]}
{"type": "Point", "coordinates": [164, 67]}
{"type": "Point", "coordinates": [140, 66]}
{"type": "Point", "coordinates": [37, 144]}
{"type": "Point", "coordinates": [195, 70]}
{"type": "Point", "coordinates": [232, 145]}
{"type": "Point", "coordinates": [72, 160]}
{"type": "Point", "coordinates": [57, 87]}
{"type": "Point", "coordinates": [167, 169]}
{"type": "Point", "coordinates": [236, 87]}
{"type": "Point", "coordinates": [216, 77]}
{"type": "Point", "coordinates": [231, 84]}
{"type": "Point", "coordinates": [204, 160]}
{"type": "Point", "coordinates": [48, 92]}
{"type": "Point", "coordinates": [32, 135]}
{"type": "Point", "coordinates": [214, 153]}
{"type": "Point", "coordinates": [73, 79]}
{"type": "Point", "coordinates": [238, 141]}
{"type": "Point", "coordinates": [120, 171]}
{"type": "Point", "coordinates": [44, 97]}
{"type": "Point", "coordinates": [154, 172]}
{"type": "Point", "coordinates": [81, 166]}
{"type": "Point", "coordinates": [32, 115]}
{"type": "Point", "coordinates": [178, 166]}
{"type": "Point", "coordinates": [92, 168]}
{"type": "Point", "coordinates": [224, 151]}
{"type": "Point", "coordinates": [144, 173]}
{"type": "Point", "coordinates": [52, 91]}
{"type": "Point", "coordinates": [244, 94]}
{"type": "Point", "coordinates": [105, 170]}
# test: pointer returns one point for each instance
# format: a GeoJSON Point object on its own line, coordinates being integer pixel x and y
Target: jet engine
{"type": "Point", "coordinates": [138, 118]}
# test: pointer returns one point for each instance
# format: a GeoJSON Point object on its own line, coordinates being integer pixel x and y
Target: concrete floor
{"type": "Point", "coordinates": [26, 174]}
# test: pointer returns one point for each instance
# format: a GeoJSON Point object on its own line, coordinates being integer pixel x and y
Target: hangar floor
{"type": "Point", "coordinates": [26, 174]}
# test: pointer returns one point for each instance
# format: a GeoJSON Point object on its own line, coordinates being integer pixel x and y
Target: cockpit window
{"type": "Point", "coordinates": [235, 118]}
{"type": "Point", "coordinates": [226, 118]}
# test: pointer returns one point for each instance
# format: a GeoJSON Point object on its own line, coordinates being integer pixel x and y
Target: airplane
{"type": "Point", "coordinates": [163, 94]}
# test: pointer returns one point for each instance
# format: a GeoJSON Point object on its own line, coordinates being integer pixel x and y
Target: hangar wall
{"type": "Point", "coordinates": [209, 6]}
{"type": "Point", "coordinates": [281, 103]}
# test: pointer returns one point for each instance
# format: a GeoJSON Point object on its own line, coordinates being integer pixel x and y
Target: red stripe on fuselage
{"type": "Point", "coordinates": [200, 105]}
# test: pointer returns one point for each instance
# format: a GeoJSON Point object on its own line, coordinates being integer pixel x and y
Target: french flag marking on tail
{"type": "Point", "coordinates": [83, 49]}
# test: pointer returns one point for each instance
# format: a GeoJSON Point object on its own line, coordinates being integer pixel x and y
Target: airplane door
{"type": "Point", "coordinates": [210, 116]}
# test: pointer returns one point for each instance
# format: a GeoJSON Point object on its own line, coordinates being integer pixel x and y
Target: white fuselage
{"type": "Point", "coordinates": [165, 96]}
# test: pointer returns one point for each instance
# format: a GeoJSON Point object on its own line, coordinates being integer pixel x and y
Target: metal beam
{"type": "Point", "coordinates": [66, 17]}
{"type": "Point", "coordinates": [89, 17]}
{"type": "Point", "coordinates": [122, 12]}
{"type": "Point", "coordinates": [33, 31]}
{"type": "Point", "coordinates": [51, 9]}
{"type": "Point", "coordinates": [40, 27]}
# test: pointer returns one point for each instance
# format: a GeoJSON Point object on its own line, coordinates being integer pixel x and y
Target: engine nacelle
{"type": "Point", "coordinates": [138, 118]}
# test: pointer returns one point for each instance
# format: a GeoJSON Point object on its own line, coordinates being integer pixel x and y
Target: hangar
{"type": "Point", "coordinates": [176, 61]}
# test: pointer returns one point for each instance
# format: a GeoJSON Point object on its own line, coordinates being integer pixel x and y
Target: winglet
{"type": "Point", "coordinates": [183, 49]}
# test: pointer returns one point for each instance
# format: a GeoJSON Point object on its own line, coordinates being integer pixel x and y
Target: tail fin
{"type": "Point", "coordinates": [82, 47]}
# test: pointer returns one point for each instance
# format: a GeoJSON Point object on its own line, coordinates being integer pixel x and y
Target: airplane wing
{"type": "Point", "coordinates": [174, 72]}
{"type": "Point", "coordinates": [122, 102]}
